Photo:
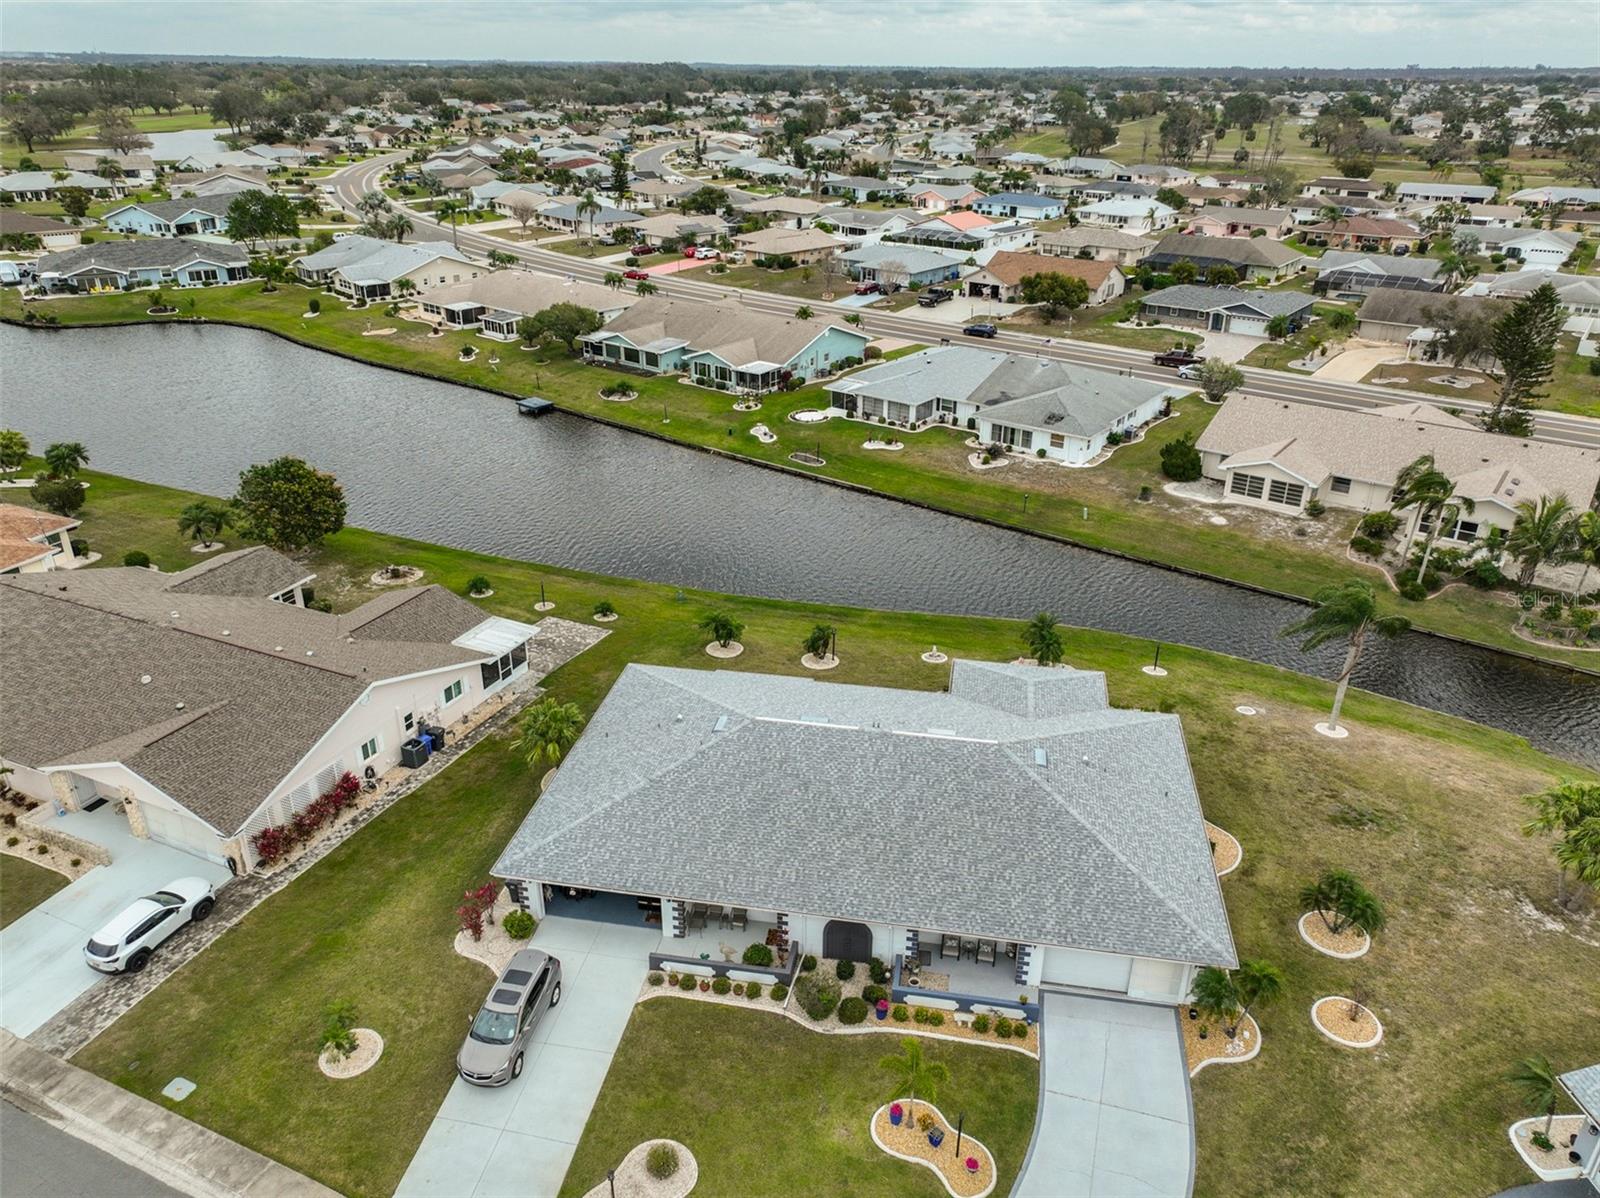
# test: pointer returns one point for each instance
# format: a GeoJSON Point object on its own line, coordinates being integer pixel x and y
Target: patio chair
{"type": "Point", "coordinates": [717, 913]}
{"type": "Point", "coordinates": [739, 919]}
{"type": "Point", "coordinates": [697, 916]}
{"type": "Point", "coordinates": [986, 952]}
{"type": "Point", "coordinates": [950, 946]}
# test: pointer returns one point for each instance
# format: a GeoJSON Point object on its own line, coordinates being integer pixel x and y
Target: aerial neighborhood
{"type": "Point", "coordinates": [1043, 641]}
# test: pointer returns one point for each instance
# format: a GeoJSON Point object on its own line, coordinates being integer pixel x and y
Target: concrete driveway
{"type": "Point", "coordinates": [517, 1141]}
{"type": "Point", "coordinates": [43, 951]}
{"type": "Point", "coordinates": [1356, 362]}
{"type": "Point", "coordinates": [1114, 1113]}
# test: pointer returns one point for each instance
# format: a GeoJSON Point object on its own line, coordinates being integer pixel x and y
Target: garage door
{"type": "Point", "coordinates": [181, 831]}
{"type": "Point", "coordinates": [1248, 326]}
{"type": "Point", "coordinates": [1092, 971]}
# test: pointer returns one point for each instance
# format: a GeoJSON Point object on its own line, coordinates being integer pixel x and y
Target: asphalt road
{"type": "Point", "coordinates": [38, 1160]}
{"type": "Point", "coordinates": [1556, 427]}
{"type": "Point", "coordinates": [651, 160]}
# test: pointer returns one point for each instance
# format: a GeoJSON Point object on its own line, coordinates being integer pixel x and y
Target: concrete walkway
{"type": "Point", "coordinates": [1115, 1120]}
{"type": "Point", "coordinates": [1356, 362]}
{"type": "Point", "coordinates": [516, 1141]}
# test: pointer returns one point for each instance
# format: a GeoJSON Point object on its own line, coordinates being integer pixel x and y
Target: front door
{"type": "Point", "coordinates": [846, 941]}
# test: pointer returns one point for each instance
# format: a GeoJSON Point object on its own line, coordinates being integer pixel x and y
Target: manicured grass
{"type": "Point", "coordinates": [1276, 355]}
{"type": "Point", "coordinates": [802, 282]}
{"type": "Point", "coordinates": [1422, 806]}
{"type": "Point", "coordinates": [23, 886]}
{"type": "Point", "coordinates": [1571, 387]}
{"type": "Point", "coordinates": [768, 1107]}
{"type": "Point", "coordinates": [1097, 507]}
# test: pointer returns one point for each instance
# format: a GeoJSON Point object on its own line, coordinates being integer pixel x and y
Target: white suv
{"type": "Point", "coordinates": [126, 942]}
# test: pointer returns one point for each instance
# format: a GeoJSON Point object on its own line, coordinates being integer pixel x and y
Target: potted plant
{"type": "Point", "coordinates": [972, 1165]}
{"type": "Point", "coordinates": [883, 1008]}
{"type": "Point", "coordinates": [705, 985]}
{"type": "Point", "coordinates": [896, 1114]}
{"type": "Point", "coordinates": [935, 1136]}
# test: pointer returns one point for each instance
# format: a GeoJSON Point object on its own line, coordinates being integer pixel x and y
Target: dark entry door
{"type": "Point", "coordinates": [847, 941]}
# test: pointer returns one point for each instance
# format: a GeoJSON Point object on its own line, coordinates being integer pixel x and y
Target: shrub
{"type": "Point", "coordinates": [1019, 1029]}
{"type": "Point", "coordinates": [935, 1018]}
{"type": "Point", "coordinates": [136, 557]}
{"type": "Point", "coordinates": [1413, 591]}
{"type": "Point", "coordinates": [919, 1015]}
{"type": "Point", "coordinates": [479, 584]}
{"type": "Point", "coordinates": [818, 995]}
{"type": "Point", "coordinates": [980, 1024]}
{"type": "Point", "coordinates": [901, 1013]}
{"type": "Point", "coordinates": [808, 964]}
{"type": "Point", "coordinates": [779, 992]}
{"type": "Point", "coordinates": [80, 547]}
{"type": "Point", "coordinates": [655, 979]}
{"type": "Point", "coordinates": [1315, 508]}
{"type": "Point", "coordinates": [338, 1021]}
{"type": "Point", "coordinates": [13, 841]}
{"type": "Point", "coordinates": [758, 954]}
{"type": "Point", "coordinates": [1002, 1027]}
{"type": "Point", "coordinates": [878, 970]}
{"type": "Point", "coordinates": [470, 916]}
{"type": "Point", "coordinates": [1539, 1140]}
{"type": "Point", "coordinates": [738, 988]}
{"type": "Point", "coordinates": [1180, 460]}
{"type": "Point", "coordinates": [721, 986]}
{"type": "Point", "coordinates": [41, 849]}
{"type": "Point", "coordinates": [872, 353]}
{"type": "Point", "coordinates": [1594, 367]}
{"type": "Point", "coordinates": [1485, 573]}
{"type": "Point", "coordinates": [519, 925]}
{"type": "Point", "coordinates": [853, 1010]}
{"type": "Point", "coordinates": [313, 304]}
{"type": "Point", "coordinates": [1379, 524]}
{"type": "Point", "coordinates": [686, 982]}
{"type": "Point", "coordinates": [844, 970]}
{"type": "Point", "coordinates": [752, 989]}
{"type": "Point", "coordinates": [874, 994]}
{"type": "Point", "coordinates": [661, 1161]}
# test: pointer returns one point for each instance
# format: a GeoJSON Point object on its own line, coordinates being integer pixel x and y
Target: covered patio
{"type": "Point", "coordinates": [717, 933]}
{"type": "Point", "coordinates": [965, 970]}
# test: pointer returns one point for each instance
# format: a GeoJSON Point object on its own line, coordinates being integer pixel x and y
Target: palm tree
{"type": "Point", "coordinates": [722, 627]}
{"type": "Point", "coordinates": [549, 729]}
{"type": "Point", "coordinates": [398, 225]}
{"type": "Point", "coordinates": [1571, 811]}
{"type": "Point", "coordinates": [1338, 894]}
{"type": "Point", "coordinates": [1545, 532]}
{"type": "Point", "coordinates": [1586, 541]}
{"type": "Point", "coordinates": [816, 177]}
{"type": "Point", "coordinates": [272, 270]}
{"type": "Point", "coordinates": [14, 449]}
{"type": "Point", "coordinates": [1447, 516]}
{"type": "Point", "coordinates": [821, 641]}
{"type": "Point", "coordinates": [1424, 487]}
{"type": "Point", "coordinates": [1536, 1078]}
{"type": "Point", "coordinates": [588, 208]}
{"type": "Point", "coordinates": [613, 279]}
{"type": "Point", "coordinates": [203, 520]}
{"type": "Point", "coordinates": [914, 1074]}
{"type": "Point", "coordinates": [1259, 984]}
{"type": "Point", "coordinates": [1349, 610]}
{"type": "Point", "coordinates": [1215, 993]}
{"type": "Point", "coordinates": [372, 204]}
{"type": "Point", "coordinates": [65, 458]}
{"type": "Point", "coordinates": [804, 312]}
{"type": "Point", "coordinates": [1042, 635]}
{"type": "Point", "coordinates": [450, 210]}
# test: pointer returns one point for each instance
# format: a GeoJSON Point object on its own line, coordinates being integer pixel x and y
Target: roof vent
{"type": "Point", "coordinates": [1086, 759]}
{"type": "Point", "coordinates": [226, 632]}
{"type": "Point", "coordinates": [311, 652]}
{"type": "Point", "coordinates": [721, 724]}
{"type": "Point", "coordinates": [1040, 758]}
{"type": "Point", "coordinates": [178, 706]}
{"type": "Point", "coordinates": [173, 614]}
{"type": "Point", "coordinates": [144, 679]}
{"type": "Point", "coordinates": [277, 648]}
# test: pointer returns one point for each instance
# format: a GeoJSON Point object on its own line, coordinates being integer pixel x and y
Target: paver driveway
{"type": "Point", "coordinates": [517, 1140]}
{"type": "Point", "coordinates": [42, 953]}
{"type": "Point", "coordinates": [1114, 1118]}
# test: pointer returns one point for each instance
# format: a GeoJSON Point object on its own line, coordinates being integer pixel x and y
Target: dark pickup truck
{"type": "Point", "coordinates": [1178, 357]}
{"type": "Point", "coordinates": [935, 295]}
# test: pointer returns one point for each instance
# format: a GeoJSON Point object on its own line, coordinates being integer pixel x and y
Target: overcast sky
{"type": "Point", "coordinates": [1251, 33]}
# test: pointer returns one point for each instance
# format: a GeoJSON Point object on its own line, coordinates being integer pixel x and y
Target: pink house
{"type": "Point", "coordinates": [941, 197]}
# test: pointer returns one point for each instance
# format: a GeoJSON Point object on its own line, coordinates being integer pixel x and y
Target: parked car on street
{"type": "Point", "coordinates": [1191, 372]}
{"type": "Point", "coordinates": [125, 943]}
{"type": "Point", "coordinates": [1178, 357]}
{"type": "Point", "coordinates": [981, 330]}
{"type": "Point", "coordinates": [493, 1051]}
{"type": "Point", "coordinates": [636, 274]}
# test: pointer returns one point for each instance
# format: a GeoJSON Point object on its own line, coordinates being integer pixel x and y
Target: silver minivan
{"type": "Point", "coordinates": [492, 1053]}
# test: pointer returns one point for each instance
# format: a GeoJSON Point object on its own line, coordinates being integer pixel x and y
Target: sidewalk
{"type": "Point", "coordinates": [167, 1146]}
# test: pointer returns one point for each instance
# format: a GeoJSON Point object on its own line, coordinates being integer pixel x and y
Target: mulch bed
{"type": "Point", "coordinates": [1217, 1047]}
{"type": "Point", "coordinates": [1227, 853]}
{"type": "Point", "coordinates": [911, 1140]}
{"type": "Point", "coordinates": [1332, 1016]}
{"type": "Point", "coordinates": [1350, 942]}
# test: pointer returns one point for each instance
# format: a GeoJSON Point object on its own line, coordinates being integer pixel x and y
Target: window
{"type": "Point", "coordinates": [1250, 486]}
{"type": "Point", "coordinates": [1339, 486]}
{"type": "Point", "coordinates": [1018, 438]}
{"type": "Point", "coordinates": [497, 671]}
{"type": "Point", "coordinates": [945, 405]}
{"type": "Point", "coordinates": [1058, 441]}
{"type": "Point", "coordinates": [1285, 493]}
{"type": "Point", "coordinates": [369, 749]}
{"type": "Point", "coordinates": [452, 692]}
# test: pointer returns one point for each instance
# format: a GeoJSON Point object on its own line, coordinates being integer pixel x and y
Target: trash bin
{"type": "Point", "coordinates": [413, 753]}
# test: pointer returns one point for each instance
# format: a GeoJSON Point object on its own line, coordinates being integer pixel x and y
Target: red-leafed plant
{"type": "Point", "coordinates": [471, 916]}
{"type": "Point", "coordinates": [484, 896]}
{"type": "Point", "coordinates": [272, 843]}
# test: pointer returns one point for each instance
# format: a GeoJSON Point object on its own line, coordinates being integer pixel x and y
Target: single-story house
{"type": "Point", "coordinates": [1367, 234]}
{"type": "Point", "coordinates": [1156, 174]}
{"type": "Point", "coordinates": [723, 344]}
{"type": "Point", "coordinates": [494, 303]}
{"type": "Point", "coordinates": [1337, 185]}
{"type": "Point", "coordinates": [1579, 295]}
{"type": "Point", "coordinates": [942, 197]}
{"type": "Point", "coordinates": [1001, 277]}
{"type": "Point", "coordinates": [30, 186]}
{"type": "Point", "coordinates": [604, 222]}
{"type": "Point", "coordinates": [369, 268]}
{"type": "Point", "coordinates": [1354, 274]}
{"type": "Point", "coordinates": [1201, 197]}
{"type": "Point", "coordinates": [1083, 167]}
{"type": "Point", "coordinates": [1315, 210]}
{"type": "Point", "coordinates": [1106, 245]}
{"type": "Point", "coordinates": [223, 705]}
{"type": "Point", "coordinates": [1057, 410]}
{"type": "Point", "coordinates": [1226, 309]}
{"type": "Point", "coordinates": [1482, 216]}
{"type": "Point", "coordinates": [1254, 259]}
{"type": "Point", "coordinates": [661, 193]}
{"type": "Point", "coordinates": [895, 264]}
{"type": "Point", "coordinates": [119, 265]}
{"type": "Point", "coordinates": [1545, 197]}
{"type": "Point", "coordinates": [135, 166]}
{"type": "Point", "coordinates": [1536, 249]}
{"type": "Point", "coordinates": [482, 196]}
{"type": "Point", "coordinates": [1280, 455]}
{"type": "Point", "coordinates": [1217, 221]}
{"type": "Point", "coordinates": [1455, 193]}
{"type": "Point", "coordinates": [1129, 215]}
{"type": "Point", "coordinates": [970, 232]}
{"type": "Point", "coordinates": [32, 542]}
{"type": "Point", "coordinates": [51, 234]}
{"type": "Point", "coordinates": [1584, 1152]}
{"type": "Point", "coordinates": [857, 227]}
{"type": "Point", "coordinates": [791, 212]}
{"type": "Point", "coordinates": [1408, 318]}
{"type": "Point", "coordinates": [861, 188]}
{"type": "Point", "coordinates": [675, 226]}
{"type": "Point", "coordinates": [1096, 190]}
{"type": "Point", "coordinates": [1019, 204]}
{"type": "Point", "coordinates": [805, 246]}
{"type": "Point", "coordinates": [227, 181]}
{"type": "Point", "coordinates": [1115, 892]}
{"type": "Point", "coordinates": [172, 218]}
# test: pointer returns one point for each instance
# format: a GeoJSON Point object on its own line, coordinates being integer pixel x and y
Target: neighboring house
{"type": "Point", "coordinates": [1056, 410]}
{"type": "Point", "coordinates": [119, 265]}
{"type": "Point", "coordinates": [1584, 1086]}
{"type": "Point", "coordinates": [1535, 249]}
{"type": "Point", "coordinates": [1106, 245]}
{"type": "Point", "coordinates": [971, 232]}
{"type": "Point", "coordinates": [33, 186]}
{"type": "Point", "coordinates": [52, 234]}
{"type": "Point", "coordinates": [723, 345]}
{"type": "Point", "coordinates": [1337, 185]}
{"type": "Point", "coordinates": [1276, 454]}
{"type": "Point", "coordinates": [805, 246]}
{"type": "Point", "coordinates": [32, 542]}
{"type": "Point", "coordinates": [1352, 274]}
{"type": "Point", "coordinates": [172, 218]}
{"type": "Point", "coordinates": [605, 222]}
{"type": "Point", "coordinates": [1226, 309]}
{"type": "Point", "coordinates": [942, 197]}
{"type": "Point", "coordinates": [1483, 216]}
{"type": "Point", "coordinates": [1129, 215]}
{"type": "Point", "coordinates": [1579, 295]}
{"type": "Point", "coordinates": [367, 268]}
{"type": "Point", "coordinates": [1154, 174]}
{"type": "Point", "coordinates": [482, 197]}
{"type": "Point", "coordinates": [494, 303]}
{"type": "Point", "coordinates": [1407, 318]}
{"type": "Point", "coordinates": [135, 167]}
{"type": "Point", "coordinates": [1001, 277]}
{"type": "Point", "coordinates": [1089, 168]}
{"type": "Point", "coordinates": [660, 193]}
{"type": "Point", "coordinates": [861, 188]}
{"type": "Point", "coordinates": [1111, 189]}
{"type": "Point", "coordinates": [786, 212]}
{"type": "Point", "coordinates": [1364, 233]}
{"type": "Point", "coordinates": [1455, 193]}
{"type": "Point", "coordinates": [228, 181]}
{"type": "Point", "coordinates": [233, 707]}
{"type": "Point", "coordinates": [1546, 197]}
{"type": "Point", "coordinates": [1258, 259]}
{"type": "Point", "coordinates": [1022, 205]}
{"type": "Point", "coordinates": [675, 226]}
{"type": "Point", "coordinates": [857, 227]}
{"type": "Point", "coordinates": [1312, 211]}
{"type": "Point", "coordinates": [1217, 221]}
{"type": "Point", "coordinates": [1115, 892]}
{"type": "Point", "coordinates": [895, 264]}
{"type": "Point", "coordinates": [1202, 197]}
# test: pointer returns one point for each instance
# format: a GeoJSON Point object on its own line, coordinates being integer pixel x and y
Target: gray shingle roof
{"type": "Point", "coordinates": [257, 571]}
{"type": "Point", "coordinates": [1584, 1086]}
{"type": "Point", "coordinates": [168, 210]}
{"type": "Point", "coordinates": [120, 256]}
{"type": "Point", "coordinates": [1194, 298]}
{"type": "Point", "coordinates": [1242, 251]}
{"type": "Point", "coordinates": [903, 807]}
{"type": "Point", "coordinates": [735, 334]}
{"type": "Point", "coordinates": [1413, 266]}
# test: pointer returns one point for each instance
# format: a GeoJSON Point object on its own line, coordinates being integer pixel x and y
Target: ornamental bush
{"type": "Point", "coordinates": [273, 842]}
{"type": "Point", "coordinates": [1002, 1027]}
{"type": "Point", "coordinates": [818, 995]}
{"type": "Point", "coordinates": [779, 992]}
{"type": "Point", "coordinates": [721, 986]}
{"type": "Point", "coordinates": [919, 1015]}
{"type": "Point", "coordinates": [808, 964]}
{"type": "Point", "coordinates": [686, 982]}
{"type": "Point", "coordinates": [519, 925]}
{"type": "Point", "coordinates": [878, 970]}
{"type": "Point", "coordinates": [874, 994]}
{"type": "Point", "coordinates": [1019, 1029]}
{"type": "Point", "coordinates": [136, 557]}
{"type": "Point", "coordinates": [1379, 524]}
{"type": "Point", "coordinates": [844, 970]}
{"type": "Point", "coordinates": [853, 1010]}
{"type": "Point", "coordinates": [758, 954]}
{"type": "Point", "coordinates": [1366, 546]}
{"type": "Point", "coordinates": [655, 979]}
{"type": "Point", "coordinates": [901, 1013]}
{"type": "Point", "coordinates": [980, 1024]}
{"type": "Point", "coordinates": [753, 989]}
{"type": "Point", "coordinates": [661, 1161]}
{"type": "Point", "coordinates": [935, 1018]}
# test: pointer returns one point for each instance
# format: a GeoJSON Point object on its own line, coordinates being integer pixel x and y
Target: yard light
{"type": "Point", "coordinates": [960, 1119]}
{"type": "Point", "coordinates": [1154, 668]}
{"type": "Point", "coordinates": [611, 1180]}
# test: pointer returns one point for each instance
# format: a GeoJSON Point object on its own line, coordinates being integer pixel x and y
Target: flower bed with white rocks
{"type": "Point", "coordinates": [369, 1047]}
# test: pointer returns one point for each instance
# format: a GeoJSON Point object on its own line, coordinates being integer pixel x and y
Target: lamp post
{"type": "Point", "coordinates": [611, 1180]}
{"type": "Point", "coordinates": [960, 1119]}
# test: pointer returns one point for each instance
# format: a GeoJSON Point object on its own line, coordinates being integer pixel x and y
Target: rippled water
{"type": "Point", "coordinates": [191, 407]}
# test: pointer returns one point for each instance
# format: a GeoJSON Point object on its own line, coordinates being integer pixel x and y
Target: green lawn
{"type": "Point", "coordinates": [1422, 806]}
{"type": "Point", "coordinates": [1571, 387]}
{"type": "Point", "coordinates": [1276, 355]}
{"type": "Point", "coordinates": [23, 886]}
{"type": "Point", "coordinates": [52, 154]}
{"type": "Point", "coordinates": [768, 1107]}
{"type": "Point", "coordinates": [1101, 324]}
{"type": "Point", "coordinates": [932, 470]}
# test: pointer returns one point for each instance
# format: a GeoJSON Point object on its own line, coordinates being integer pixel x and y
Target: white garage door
{"type": "Point", "coordinates": [1248, 326]}
{"type": "Point", "coordinates": [1093, 971]}
{"type": "Point", "coordinates": [181, 831]}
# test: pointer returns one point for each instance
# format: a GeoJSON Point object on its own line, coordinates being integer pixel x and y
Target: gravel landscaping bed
{"type": "Point", "coordinates": [1350, 943]}
{"type": "Point", "coordinates": [1226, 853]}
{"type": "Point", "coordinates": [1217, 1048]}
{"type": "Point", "coordinates": [1334, 1018]}
{"type": "Point", "coordinates": [911, 1140]}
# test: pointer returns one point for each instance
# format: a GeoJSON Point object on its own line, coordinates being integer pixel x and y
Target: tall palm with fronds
{"type": "Point", "coordinates": [1341, 903]}
{"type": "Point", "coordinates": [1259, 984]}
{"type": "Point", "coordinates": [816, 176]}
{"type": "Point", "coordinates": [1216, 995]}
{"type": "Point", "coordinates": [587, 208]}
{"type": "Point", "coordinates": [548, 730]}
{"type": "Point", "coordinates": [1447, 516]}
{"type": "Point", "coordinates": [397, 226]}
{"type": "Point", "coordinates": [65, 458]}
{"type": "Point", "coordinates": [14, 449]}
{"type": "Point", "coordinates": [1544, 532]}
{"type": "Point", "coordinates": [1569, 811]}
{"type": "Point", "coordinates": [1042, 635]}
{"type": "Point", "coordinates": [451, 211]}
{"type": "Point", "coordinates": [1536, 1078]}
{"type": "Point", "coordinates": [914, 1075]}
{"type": "Point", "coordinates": [1425, 489]}
{"type": "Point", "coordinates": [1347, 610]}
{"type": "Point", "coordinates": [1585, 547]}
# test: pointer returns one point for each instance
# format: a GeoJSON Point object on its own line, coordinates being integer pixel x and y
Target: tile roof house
{"type": "Point", "coordinates": [941, 197]}
{"type": "Point", "coordinates": [119, 265]}
{"type": "Point", "coordinates": [208, 709]}
{"type": "Point", "coordinates": [1220, 221]}
{"type": "Point", "coordinates": [1253, 259]}
{"type": "Point", "coordinates": [1116, 890]}
{"type": "Point", "coordinates": [1226, 309]}
{"type": "Point", "coordinates": [1369, 234]}
{"type": "Point", "coordinates": [1281, 455]}
{"type": "Point", "coordinates": [1052, 409]}
{"type": "Point", "coordinates": [1001, 277]}
{"type": "Point", "coordinates": [32, 542]}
